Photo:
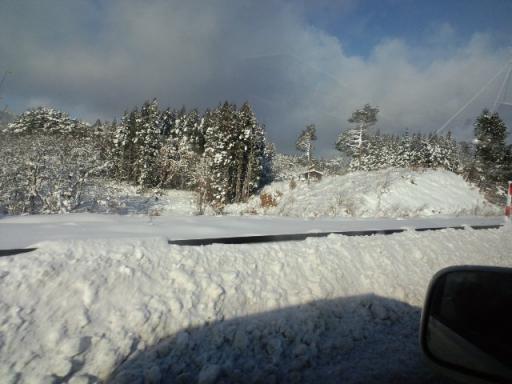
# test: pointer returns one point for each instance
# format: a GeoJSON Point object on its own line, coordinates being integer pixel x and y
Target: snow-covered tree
{"type": "Point", "coordinates": [374, 156]}
{"type": "Point", "coordinates": [124, 153]}
{"type": "Point", "coordinates": [6, 117]}
{"type": "Point", "coordinates": [354, 141]}
{"type": "Point", "coordinates": [175, 166]}
{"type": "Point", "coordinates": [305, 142]}
{"type": "Point", "coordinates": [46, 120]}
{"type": "Point", "coordinates": [235, 153]}
{"type": "Point", "coordinates": [223, 154]}
{"type": "Point", "coordinates": [188, 129]}
{"type": "Point", "coordinates": [148, 140]}
{"type": "Point", "coordinates": [168, 121]}
{"type": "Point", "coordinates": [220, 138]}
{"type": "Point", "coordinates": [253, 154]}
{"type": "Point", "coordinates": [490, 148]}
{"type": "Point", "coordinates": [46, 174]}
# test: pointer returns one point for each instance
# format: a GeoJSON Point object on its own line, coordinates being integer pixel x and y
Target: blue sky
{"type": "Point", "coordinates": [363, 24]}
{"type": "Point", "coordinates": [297, 62]}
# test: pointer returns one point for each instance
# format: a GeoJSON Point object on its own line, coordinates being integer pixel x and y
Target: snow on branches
{"type": "Point", "coordinates": [172, 149]}
{"type": "Point", "coordinates": [45, 120]}
{"type": "Point", "coordinates": [371, 151]}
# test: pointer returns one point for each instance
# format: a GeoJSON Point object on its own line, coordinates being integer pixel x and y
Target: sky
{"type": "Point", "coordinates": [297, 62]}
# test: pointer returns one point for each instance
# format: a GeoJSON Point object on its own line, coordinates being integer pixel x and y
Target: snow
{"type": "Point", "coordinates": [125, 199]}
{"type": "Point", "coordinates": [28, 231]}
{"type": "Point", "coordinates": [391, 192]}
{"type": "Point", "coordinates": [105, 297]}
{"type": "Point", "coordinates": [339, 309]}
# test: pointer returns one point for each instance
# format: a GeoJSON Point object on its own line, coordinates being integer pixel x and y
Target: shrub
{"type": "Point", "coordinates": [268, 200]}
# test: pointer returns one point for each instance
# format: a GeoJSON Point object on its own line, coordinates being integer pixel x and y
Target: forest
{"type": "Point", "coordinates": [50, 161]}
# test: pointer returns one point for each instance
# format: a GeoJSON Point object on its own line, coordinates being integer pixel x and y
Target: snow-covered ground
{"type": "Point", "coordinates": [390, 193]}
{"type": "Point", "coordinates": [104, 297]}
{"type": "Point", "coordinates": [386, 193]}
{"type": "Point", "coordinates": [339, 309]}
{"type": "Point", "coordinates": [106, 196]}
{"type": "Point", "coordinates": [26, 231]}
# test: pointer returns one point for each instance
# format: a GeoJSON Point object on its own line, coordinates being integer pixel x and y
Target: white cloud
{"type": "Point", "coordinates": [103, 57]}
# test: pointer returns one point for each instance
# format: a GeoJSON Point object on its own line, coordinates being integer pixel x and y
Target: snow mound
{"type": "Point", "coordinates": [396, 193]}
{"type": "Point", "coordinates": [341, 309]}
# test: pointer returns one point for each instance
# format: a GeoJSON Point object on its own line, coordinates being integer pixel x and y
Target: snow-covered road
{"type": "Point", "coordinates": [336, 309]}
{"type": "Point", "coordinates": [25, 231]}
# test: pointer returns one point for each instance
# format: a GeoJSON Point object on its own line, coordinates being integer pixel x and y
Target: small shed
{"type": "Point", "coordinates": [312, 174]}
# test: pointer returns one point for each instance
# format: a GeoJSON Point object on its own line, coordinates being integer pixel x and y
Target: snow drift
{"type": "Point", "coordinates": [323, 310]}
{"type": "Point", "coordinates": [391, 192]}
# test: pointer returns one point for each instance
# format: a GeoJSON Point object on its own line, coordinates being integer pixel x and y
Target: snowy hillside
{"type": "Point", "coordinates": [386, 193]}
{"type": "Point", "coordinates": [342, 309]}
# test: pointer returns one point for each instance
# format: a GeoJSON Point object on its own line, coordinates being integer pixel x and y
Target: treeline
{"type": "Point", "coordinates": [487, 161]}
{"type": "Point", "coordinates": [48, 158]}
{"type": "Point", "coordinates": [371, 151]}
{"type": "Point", "coordinates": [222, 154]}
{"type": "Point", "coordinates": [368, 151]}
{"type": "Point", "coordinates": [405, 151]}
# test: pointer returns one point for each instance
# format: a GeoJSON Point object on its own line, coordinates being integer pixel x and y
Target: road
{"type": "Point", "coordinates": [27, 231]}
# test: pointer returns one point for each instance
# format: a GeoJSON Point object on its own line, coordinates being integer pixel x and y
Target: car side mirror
{"type": "Point", "coordinates": [466, 324]}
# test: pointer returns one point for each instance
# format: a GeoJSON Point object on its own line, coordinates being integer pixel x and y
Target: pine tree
{"type": "Point", "coordinates": [490, 148]}
{"type": "Point", "coordinates": [124, 145]}
{"type": "Point", "coordinates": [416, 156]}
{"type": "Point", "coordinates": [305, 142]}
{"type": "Point", "coordinates": [168, 121]}
{"type": "Point", "coordinates": [354, 141]}
{"type": "Point", "coordinates": [404, 157]}
{"type": "Point", "coordinates": [234, 153]}
{"type": "Point", "coordinates": [147, 138]}
{"type": "Point", "coordinates": [451, 154]}
{"type": "Point", "coordinates": [253, 153]}
{"type": "Point", "coordinates": [193, 134]}
{"type": "Point", "coordinates": [220, 139]}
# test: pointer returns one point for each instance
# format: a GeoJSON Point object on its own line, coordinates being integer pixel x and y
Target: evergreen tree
{"type": "Point", "coordinates": [490, 149]}
{"type": "Point", "coordinates": [373, 157]}
{"type": "Point", "coordinates": [404, 157]}
{"type": "Point", "coordinates": [124, 153]}
{"type": "Point", "coordinates": [451, 154]}
{"type": "Point", "coordinates": [220, 139]}
{"type": "Point", "coordinates": [168, 121]}
{"type": "Point", "coordinates": [147, 138]}
{"type": "Point", "coordinates": [354, 141]}
{"type": "Point", "coordinates": [305, 142]}
{"type": "Point", "coordinates": [253, 152]}
{"type": "Point", "coordinates": [46, 120]}
{"type": "Point", "coordinates": [234, 153]}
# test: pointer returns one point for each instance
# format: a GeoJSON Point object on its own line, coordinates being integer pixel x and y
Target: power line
{"type": "Point", "coordinates": [500, 72]}
{"type": "Point", "coordinates": [501, 94]}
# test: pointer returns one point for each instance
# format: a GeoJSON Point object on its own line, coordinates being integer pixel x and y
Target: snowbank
{"type": "Point", "coordinates": [323, 310]}
{"type": "Point", "coordinates": [385, 193]}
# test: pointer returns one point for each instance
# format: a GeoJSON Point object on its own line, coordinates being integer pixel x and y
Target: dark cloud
{"type": "Point", "coordinates": [99, 58]}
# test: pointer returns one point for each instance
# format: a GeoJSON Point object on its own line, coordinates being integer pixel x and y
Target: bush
{"type": "Point", "coordinates": [268, 200]}
{"type": "Point", "coordinates": [42, 174]}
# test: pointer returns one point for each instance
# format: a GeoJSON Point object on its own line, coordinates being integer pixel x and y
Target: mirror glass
{"type": "Point", "coordinates": [469, 322]}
